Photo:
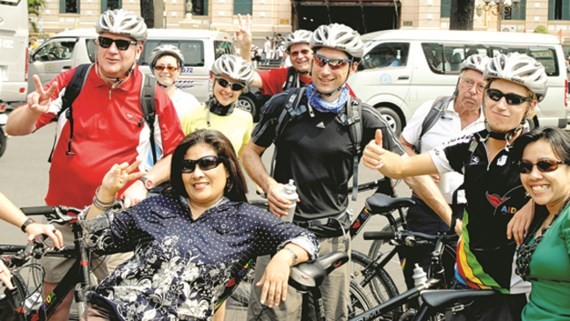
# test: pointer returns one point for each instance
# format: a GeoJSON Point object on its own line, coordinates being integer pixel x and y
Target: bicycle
{"type": "Point", "coordinates": [77, 278]}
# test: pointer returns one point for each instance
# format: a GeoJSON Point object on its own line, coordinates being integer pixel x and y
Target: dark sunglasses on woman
{"type": "Point", "coordinates": [121, 44]}
{"type": "Point", "coordinates": [236, 86]}
{"type": "Point", "coordinates": [544, 166]}
{"type": "Point", "coordinates": [512, 99]}
{"type": "Point", "coordinates": [205, 163]}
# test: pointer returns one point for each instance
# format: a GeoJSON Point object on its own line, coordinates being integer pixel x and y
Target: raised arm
{"type": "Point", "coordinates": [243, 42]}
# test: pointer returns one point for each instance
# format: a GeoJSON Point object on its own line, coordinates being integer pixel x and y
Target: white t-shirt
{"type": "Point", "coordinates": [183, 102]}
{"type": "Point", "coordinates": [444, 129]}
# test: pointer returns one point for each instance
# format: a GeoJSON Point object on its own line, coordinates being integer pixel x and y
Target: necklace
{"type": "Point", "coordinates": [526, 249]}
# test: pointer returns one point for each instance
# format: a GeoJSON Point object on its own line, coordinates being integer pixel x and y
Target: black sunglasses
{"type": "Point", "coordinates": [512, 99]}
{"type": "Point", "coordinates": [544, 166]}
{"type": "Point", "coordinates": [334, 63]}
{"type": "Point", "coordinates": [121, 44]}
{"type": "Point", "coordinates": [205, 163]}
{"type": "Point", "coordinates": [236, 86]}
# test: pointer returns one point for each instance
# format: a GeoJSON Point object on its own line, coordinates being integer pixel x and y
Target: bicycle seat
{"type": "Point", "coordinates": [305, 276]}
{"type": "Point", "coordinates": [383, 204]}
{"type": "Point", "coordinates": [440, 299]}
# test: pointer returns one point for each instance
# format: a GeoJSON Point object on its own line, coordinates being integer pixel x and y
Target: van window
{"type": "Point", "coordinates": [55, 50]}
{"type": "Point", "coordinates": [393, 54]}
{"type": "Point", "coordinates": [222, 48]}
{"type": "Point", "coordinates": [193, 51]}
{"type": "Point", "coordinates": [546, 56]}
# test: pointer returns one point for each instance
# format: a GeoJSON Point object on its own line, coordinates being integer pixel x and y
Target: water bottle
{"type": "Point", "coordinates": [290, 192]}
{"type": "Point", "coordinates": [420, 276]}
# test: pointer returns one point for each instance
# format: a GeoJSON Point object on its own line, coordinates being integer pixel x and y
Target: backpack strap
{"type": "Point", "coordinates": [354, 122]}
{"type": "Point", "coordinates": [149, 113]}
{"type": "Point", "coordinates": [292, 79]}
{"type": "Point", "coordinates": [438, 107]}
{"type": "Point", "coordinates": [71, 92]}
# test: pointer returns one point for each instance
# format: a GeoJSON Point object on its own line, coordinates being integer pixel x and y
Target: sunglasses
{"type": "Point", "coordinates": [121, 44]}
{"type": "Point", "coordinates": [303, 52]}
{"type": "Point", "coordinates": [205, 163]}
{"type": "Point", "coordinates": [544, 166]}
{"type": "Point", "coordinates": [512, 99]}
{"type": "Point", "coordinates": [334, 63]}
{"type": "Point", "coordinates": [169, 68]}
{"type": "Point", "coordinates": [236, 86]}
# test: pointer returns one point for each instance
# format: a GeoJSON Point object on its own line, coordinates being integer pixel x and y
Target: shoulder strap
{"type": "Point", "coordinates": [436, 111]}
{"type": "Point", "coordinates": [290, 111]}
{"type": "Point", "coordinates": [354, 123]}
{"type": "Point", "coordinates": [149, 113]}
{"type": "Point", "coordinates": [292, 79]}
{"type": "Point", "coordinates": [72, 90]}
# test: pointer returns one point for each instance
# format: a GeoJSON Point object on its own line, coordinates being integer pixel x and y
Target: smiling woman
{"type": "Point", "coordinates": [191, 240]}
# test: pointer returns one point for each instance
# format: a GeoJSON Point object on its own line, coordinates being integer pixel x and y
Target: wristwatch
{"type": "Point", "coordinates": [148, 184]}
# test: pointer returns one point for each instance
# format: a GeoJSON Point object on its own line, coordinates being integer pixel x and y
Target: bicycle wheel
{"type": "Point", "coordinates": [358, 300]}
{"type": "Point", "coordinates": [7, 300]}
{"type": "Point", "coordinates": [375, 248]}
{"type": "Point", "coordinates": [381, 284]}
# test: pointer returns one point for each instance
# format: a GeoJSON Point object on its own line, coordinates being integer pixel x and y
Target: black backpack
{"type": "Point", "coordinates": [438, 107]}
{"type": "Point", "coordinates": [76, 84]}
{"type": "Point", "coordinates": [352, 118]}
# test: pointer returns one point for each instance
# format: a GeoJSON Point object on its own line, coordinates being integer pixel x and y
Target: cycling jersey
{"type": "Point", "coordinates": [494, 194]}
{"type": "Point", "coordinates": [108, 128]}
{"type": "Point", "coordinates": [274, 79]}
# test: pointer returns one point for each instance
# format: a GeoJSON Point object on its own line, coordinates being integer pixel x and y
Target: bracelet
{"type": "Point", "coordinates": [26, 224]}
{"type": "Point", "coordinates": [100, 205]}
{"type": "Point", "coordinates": [295, 257]}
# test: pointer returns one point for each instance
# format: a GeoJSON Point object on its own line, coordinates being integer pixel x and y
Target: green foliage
{"type": "Point", "coordinates": [541, 29]}
{"type": "Point", "coordinates": [34, 9]}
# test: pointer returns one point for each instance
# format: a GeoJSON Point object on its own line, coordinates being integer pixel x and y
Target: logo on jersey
{"type": "Point", "coordinates": [499, 203]}
{"type": "Point", "coordinates": [474, 160]}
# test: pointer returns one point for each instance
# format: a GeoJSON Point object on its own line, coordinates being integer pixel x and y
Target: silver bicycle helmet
{"type": "Point", "coordinates": [476, 62]}
{"type": "Point", "coordinates": [234, 67]}
{"type": "Point", "coordinates": [123, 23]}
{"type": "Point", "coordinates": [338, 36]}
{"type": "Point", "coordinates": [166, 50]}
{"type": "Point", "coordinates": [521, 69]}
{"type": "Point", "coordinates": [299, 36]}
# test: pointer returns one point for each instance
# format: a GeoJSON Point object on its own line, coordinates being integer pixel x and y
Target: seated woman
{"type": "Point", "coordinates": [11, 214]}
{"type": "Point", "coordinates": [189, 241]}
{"type": "Point", "coordinates": [544, 257]}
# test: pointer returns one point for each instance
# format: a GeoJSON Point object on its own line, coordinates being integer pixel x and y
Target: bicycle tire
{"type": "Point", "coordinates": [381, 286]}
{"type": "Point", "coordinates": [375, 247]}
{"type": "Point", "coordinates": [359, 302]}
{"type": "Point", "coordinates": [7, 310]}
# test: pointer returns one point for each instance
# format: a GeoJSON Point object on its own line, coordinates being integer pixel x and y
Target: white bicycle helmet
{"type": "Point", "coordinates": [338, 36]}
{"type": "Point", "coordinates": [521, 69]}
{"type": "Point", "coordinates": [299, 36]}
{"type": "Point", "coordinates": [234, 67]}
{"type": "Point", "coordinates": [166, 50]}
{"type": "Point", "coordinates": [476, 62]}
{"type": "Point", "coordinates": [123, 23]}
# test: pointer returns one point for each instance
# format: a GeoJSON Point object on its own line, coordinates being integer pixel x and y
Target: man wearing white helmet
{"type": "Point", "coordinates": [435, 122]}
{"type": "Point", "coordinates": [315, 148]}
{"type": "Point", "coordinates": [494, 193]}
{"type": "Point", "coordinates": [105, 127]}
{"type": "Point", "coordinates": [167, 62]}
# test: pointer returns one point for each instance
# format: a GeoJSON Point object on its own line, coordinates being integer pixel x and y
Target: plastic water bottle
{"type": "Point", "coordinates": [290, 193]}
{"type": "Point", "coordinates": [419, 276]}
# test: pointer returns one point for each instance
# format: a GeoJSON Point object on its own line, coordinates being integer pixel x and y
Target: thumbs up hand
{"type": "Point", "coordinates": [373, 152]}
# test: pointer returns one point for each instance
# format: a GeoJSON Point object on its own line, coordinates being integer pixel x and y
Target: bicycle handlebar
{"type": "Point", "coordinates": [403, 235]}
{"type": "Point", "coordinates": [57, 214]}
{"type": "Point", "coordinates": [35, 249]}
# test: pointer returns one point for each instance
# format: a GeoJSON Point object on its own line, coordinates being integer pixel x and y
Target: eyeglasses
{"type": "Point", "coordinates": [512, 99]}
{"type": "Point", "coordinates": [121, 44]}
{"type": "Point", "coordinates": [236, 86]}
{"type": "Point", "coordinates": [303, 52]}
{"type": "Point", "coordinates": [205, 163]}
{"type": "Point", "coordinates": [544, 166]}
{"type": "Point", "coordinates": [334, 63]}
{"type": "Point", "coordinates": [469, 83]}
{"type": "Point", "coordinates": [169, 68]}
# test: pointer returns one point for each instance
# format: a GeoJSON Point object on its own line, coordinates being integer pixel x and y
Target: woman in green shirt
{"type": "Point", "coordinates": [544, 257]}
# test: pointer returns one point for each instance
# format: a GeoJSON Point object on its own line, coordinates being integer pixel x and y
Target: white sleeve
{"type": "Point", "coordinates": [411, 132]}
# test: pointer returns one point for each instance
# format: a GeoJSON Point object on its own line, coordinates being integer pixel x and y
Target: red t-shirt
{"type": "Point", "coordinates": [274, 79]}
{"type": "Point", "coordinates": [108, 128]}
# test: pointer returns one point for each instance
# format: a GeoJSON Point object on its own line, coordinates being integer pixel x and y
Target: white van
{"type": "Point", "coordinates": [200, 48]}
{"type": "Point", "coordinates": [401, 69]}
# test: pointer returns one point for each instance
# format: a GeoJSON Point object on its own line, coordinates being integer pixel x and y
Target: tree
{"type": "Point", "coordinates": [34, 9]}
{"type": "Point", "coordinates": [151, 11]}
{"type": "Point", "coordinates": [461, 17]}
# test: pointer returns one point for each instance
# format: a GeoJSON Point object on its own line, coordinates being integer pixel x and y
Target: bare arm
{"type": "Point", "coordinates": [243, 37]}
{"type": "Point", "coordinates": [159, 173]}
{"type": "Point", "coordinates": [256, 170]}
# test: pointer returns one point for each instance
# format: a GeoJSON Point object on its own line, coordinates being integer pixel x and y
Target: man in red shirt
{"type": "Point", "coordinates": [107, 128]}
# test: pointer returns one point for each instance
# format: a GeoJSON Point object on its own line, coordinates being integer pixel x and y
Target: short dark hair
{"type": "Point", "coordinates": [558, 139]}
{"type": "Point", "coordinates": [236, 188]}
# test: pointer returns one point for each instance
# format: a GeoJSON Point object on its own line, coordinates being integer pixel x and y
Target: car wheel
{"type": "Point", "coordinates": [246, 103]}
{"type": "Point", "coordinates": [393, 119]}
